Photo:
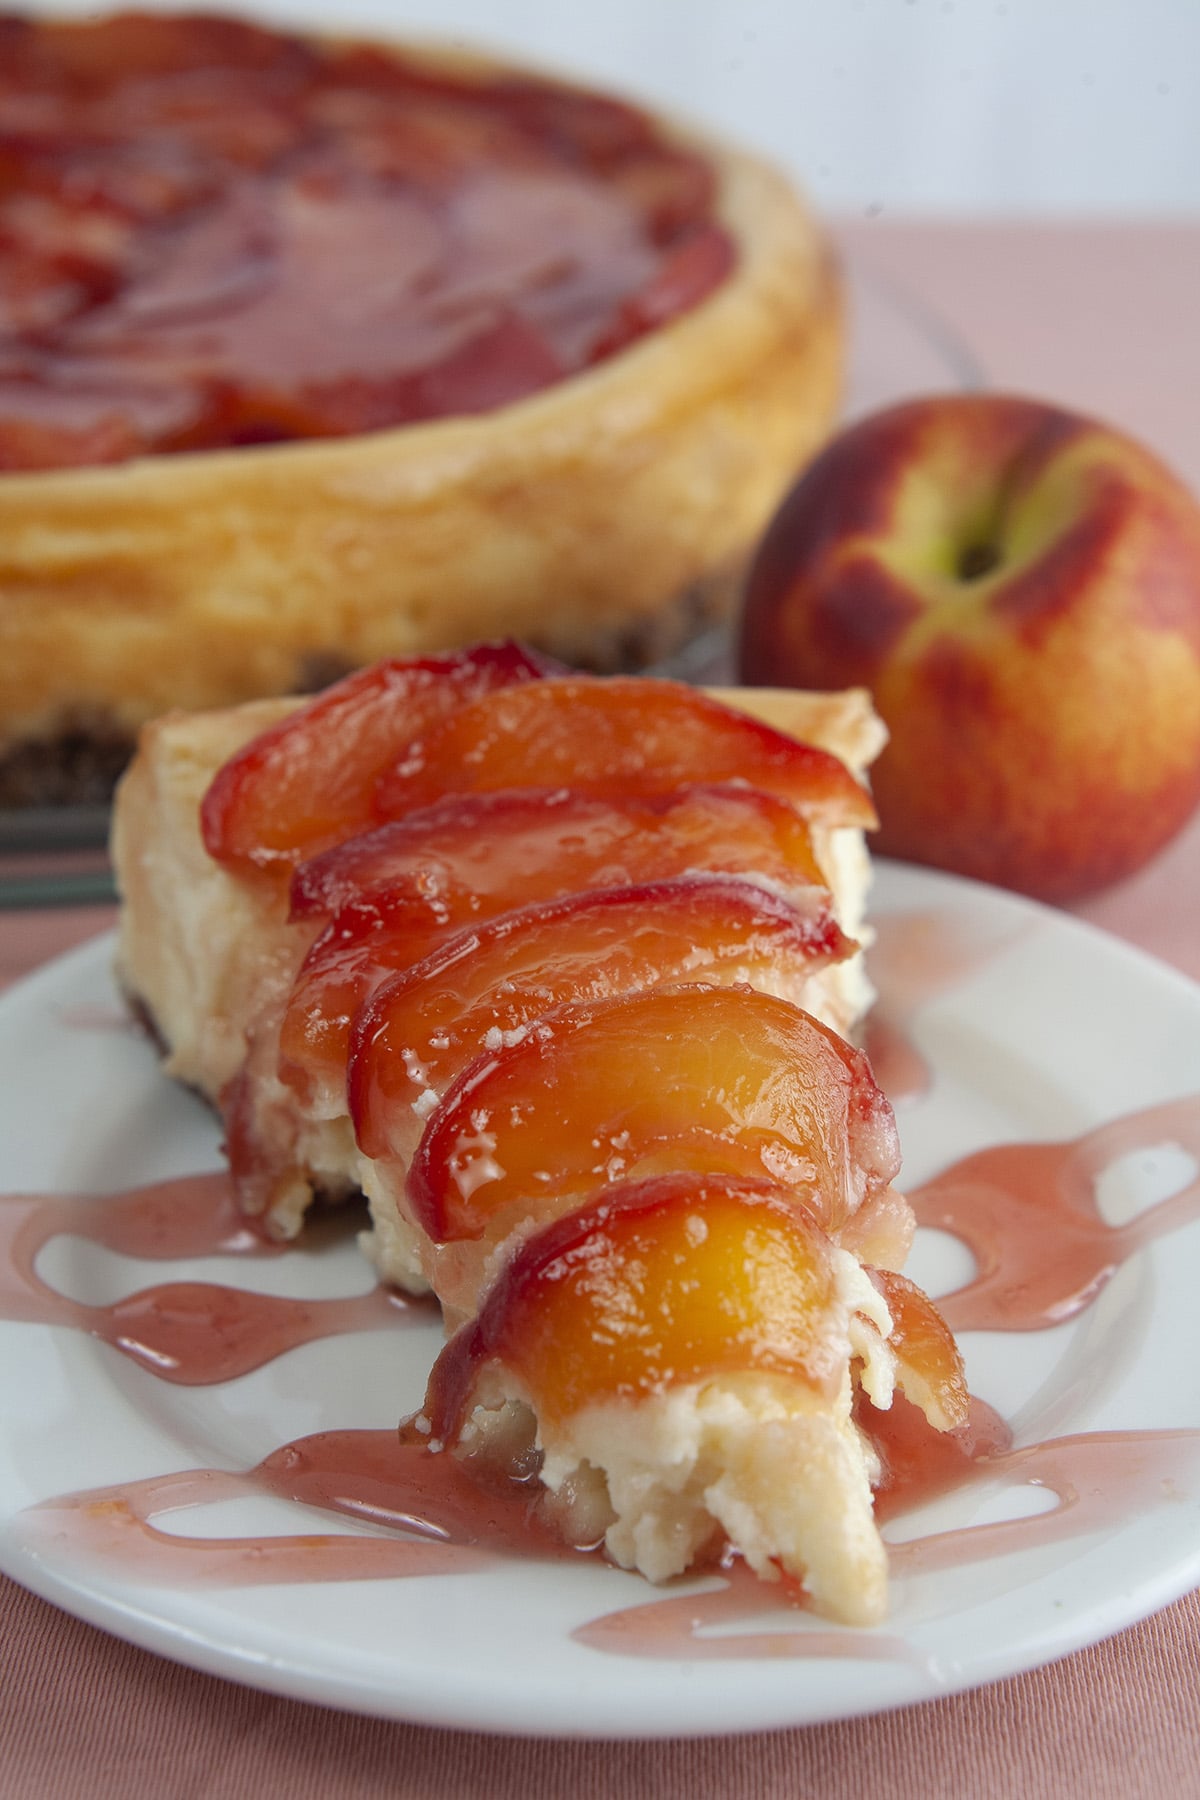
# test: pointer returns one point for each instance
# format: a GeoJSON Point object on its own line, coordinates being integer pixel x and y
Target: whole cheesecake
{"type": "Point", "coordinates": [316, 352]}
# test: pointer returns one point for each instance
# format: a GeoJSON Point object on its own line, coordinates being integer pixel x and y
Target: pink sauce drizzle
{"type": "Point", "coordinates": [383, 1478]}
{"type": "Point", "coordinates": [1028, 1212]}
{"type": "Point", "coordinates": [1029, 1215]}
{"type": "Point", "coordinates": [189, 1332]}
{"type": "Point", "coordinates": [1101, 1480]}
{"type": "Point", "coordinates": [674, 1627]}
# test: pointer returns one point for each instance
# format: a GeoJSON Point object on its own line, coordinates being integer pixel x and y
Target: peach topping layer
{"type": "Point", "coordinates": [669, 1280]}
{"type": "Point", "coordinates": [689, 1076]}
{"type": "Point", "coordinates": [487, 986]}
{"type": "Point", "coordinates": [397, 893]}
{"type": "Point", "coordinates": [555, 948]}
{"type": "Point", "coordinates": [672, 1279]}
{"type": "Point", "coordinates": [629, 734]}
{"type": "Point", "coordinates": [310, 781]}
{"type": "Point", "coordinates": [214, 234]}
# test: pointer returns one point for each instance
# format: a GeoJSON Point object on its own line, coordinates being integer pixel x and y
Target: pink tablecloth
{"type": "Point", "coordinates": [1099, 317]}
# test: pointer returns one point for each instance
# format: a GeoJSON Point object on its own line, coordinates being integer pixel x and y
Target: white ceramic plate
{"type": "Point", "coordinates": [1033, 1028]}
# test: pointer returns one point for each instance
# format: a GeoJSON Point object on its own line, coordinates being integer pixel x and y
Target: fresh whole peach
{"type": "Point", "coordinates": [1020, 589]}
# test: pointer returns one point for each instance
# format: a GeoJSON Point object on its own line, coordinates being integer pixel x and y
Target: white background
{"type": "Point", "coordinates": [884, 106]}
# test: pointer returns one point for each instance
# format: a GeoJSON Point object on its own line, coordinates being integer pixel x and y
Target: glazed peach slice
{"type": "Point", "coordinates": [591, 840]}
{"type": "Point", "coordinates": [396, 893]}
{"type": "Point", "coordinates": [486, 986]}
{"type": "Point", "coordinates": [683, 1350]}
{"type": "Point", "coordinates": [669, 1280]}
{"type": "Point", "coordinates": [929, 1365]}
{"type": "Point", "coordinates": [309, 781]}
{"type": "Point", "coordinates": [675, 1077]}
{"type": "Point", "coordinates": [631, 735]}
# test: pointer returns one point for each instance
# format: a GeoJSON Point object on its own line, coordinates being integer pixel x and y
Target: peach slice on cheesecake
{"type": "Point", "coordinates": [393, 895]}
{"type": "Point", "coordinates": [690, 1347]}
{"type": "Point", "coordinates": [490, 984]}
{"type": "Point", "coordinates": [627, 735]}
{"type": "Point", "coordinates": [309, 780]}
{"type": "Point", "coordinates": [681, 1077]}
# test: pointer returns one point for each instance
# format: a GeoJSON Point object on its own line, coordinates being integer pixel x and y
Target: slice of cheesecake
{"type": "Point", "coordinates": [559, 973]}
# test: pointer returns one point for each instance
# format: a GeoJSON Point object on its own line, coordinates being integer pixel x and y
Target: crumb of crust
{"type": "Point", "coordinates": [79, 766]}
